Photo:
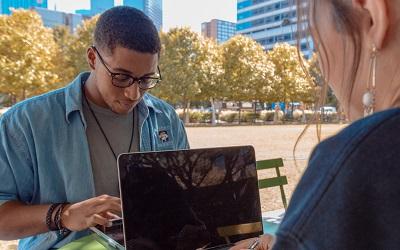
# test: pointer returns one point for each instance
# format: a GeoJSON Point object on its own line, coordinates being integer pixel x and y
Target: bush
{"type": "Point", "coordinates": [229, 116]}
{"type": "Point", "coordinates": [267, 115]}
{"type": "Point", "coordinates": [197, 117]}
{"type": "Point", "coordinates": [206, 117]}
{"type": "Point", "coordinates": [248, 116]}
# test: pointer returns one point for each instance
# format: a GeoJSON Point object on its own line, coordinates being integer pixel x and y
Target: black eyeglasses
{"type": "Point", "coordinates": [121, 80]}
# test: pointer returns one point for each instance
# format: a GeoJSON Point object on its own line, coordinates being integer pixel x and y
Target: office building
{"type": "Point", "coordinates": [53, 18]}
{"type": "Point", "coordinates": [99, 6]}
{"type": "Point", "coordinates": [219, 30]}
{"type": "Point", "coordinates": [7, 5]}
{"type": "Point", "coordinates": [152, 8]}
{"type": "Point", "coordinates": [84, 12]}
{"type": "Point", "coordinates": [269, 22]}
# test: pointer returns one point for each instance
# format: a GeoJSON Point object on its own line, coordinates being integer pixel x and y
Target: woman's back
{"type": "Point", "coordinates": [348, 197]}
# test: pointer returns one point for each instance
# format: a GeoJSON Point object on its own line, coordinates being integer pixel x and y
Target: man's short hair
{"type": "Point", "coordinates": [126, 27]}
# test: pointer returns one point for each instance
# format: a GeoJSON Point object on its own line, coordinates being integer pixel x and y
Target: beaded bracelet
{"type": "Point", "coordinates": [57, 220]}
{"type": "Point", "coordinates": [49, 216]}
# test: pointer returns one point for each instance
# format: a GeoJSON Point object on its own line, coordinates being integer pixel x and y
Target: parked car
{"type": "Point", "coordinates": [328, 109]}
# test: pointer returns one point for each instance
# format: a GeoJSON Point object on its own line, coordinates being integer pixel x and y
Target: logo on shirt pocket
{"type": "Point", "coordinates": [163, 136]}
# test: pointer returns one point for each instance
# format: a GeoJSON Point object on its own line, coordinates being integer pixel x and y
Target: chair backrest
{"type": "Point", "coordinates": [275, 181]}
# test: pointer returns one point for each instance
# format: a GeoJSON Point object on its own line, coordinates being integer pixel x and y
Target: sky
{"type": "Point", "coordinates": [177, 13]}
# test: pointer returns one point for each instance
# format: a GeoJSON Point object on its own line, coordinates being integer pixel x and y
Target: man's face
{"type": "Point", "coordinates": [125, 61]}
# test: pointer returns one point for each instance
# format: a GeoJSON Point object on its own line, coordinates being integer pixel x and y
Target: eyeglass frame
{"type": "Point", "coordinates": [133, 79]}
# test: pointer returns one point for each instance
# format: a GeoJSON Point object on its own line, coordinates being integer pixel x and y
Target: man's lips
{"type": "Point", "coordinates": [128, 103]}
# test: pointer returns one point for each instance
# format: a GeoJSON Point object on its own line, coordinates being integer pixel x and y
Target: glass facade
{"type": "Point", "coordinates": [269, 22]}
{"type": "Point", "coordinates": [152, 8]}
{"type": "Point", "coordinates": [53, 18]}
{"type": "Point", "coordinates": [6, 5]}
{"type": "Point", "coordinates": [99, 6]}
{"type": "Point", "coordinates": [225, 30]}
{"type": "Point", "coordinates": [218, 29]}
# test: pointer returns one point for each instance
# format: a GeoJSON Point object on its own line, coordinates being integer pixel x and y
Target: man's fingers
{"type": "Point", "coordinates": [99, 220]}
{"type": "Point", "coordinates": [112, 207]}
{"type": "Point", "coordinates": [106, 203]}
{"type": "Point", "coordinates": [266, 243]}
{"type": "Point", "coordinates": [102, 199]}
{"type": "Point", "coordinates": [109, 215]}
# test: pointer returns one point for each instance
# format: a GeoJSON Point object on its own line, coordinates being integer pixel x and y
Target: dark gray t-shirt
{"type": "Point", "coordinates": [118, 129]}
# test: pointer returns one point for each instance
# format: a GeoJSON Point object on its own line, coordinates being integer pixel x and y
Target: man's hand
{"type": "Point", "coordinates": [95, 211]}
{"type": "Point", "coordinates": [266, 243]}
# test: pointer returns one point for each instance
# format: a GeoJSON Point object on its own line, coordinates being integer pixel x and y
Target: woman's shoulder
{"type": "Point", "coordinates": [358, 164]}
{"type": "Point", "coordinates": [374, 128]}
{"type": "Point", "coordinates": [359, 145]}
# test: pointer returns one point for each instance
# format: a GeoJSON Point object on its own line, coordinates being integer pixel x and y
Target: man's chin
{"type": "Point", "coordinates": [122, 110]}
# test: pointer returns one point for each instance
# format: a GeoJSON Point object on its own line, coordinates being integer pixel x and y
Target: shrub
{"type": "Point", "coordinates": [229, 116]}
{"type": "Point", "coordinates": [248, 116]}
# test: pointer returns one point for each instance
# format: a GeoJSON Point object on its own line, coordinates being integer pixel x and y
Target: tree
{"type": "Point", "coordinates": [247, 71]}
{"type": "Point", "coordinates": [211, 73]}
{"type": "Point", "coordinates": [82, 40]}
{"type": "Point", "coordinates": [290, 80]}
{"type": "Point", "coordinates": [181, 63]}
{"type": "Point", "coordinates": [316, 74]}
{"type": "Point", "coordinates": [65, 66]}
{"type": "Point", "coordinates": [27, 56]}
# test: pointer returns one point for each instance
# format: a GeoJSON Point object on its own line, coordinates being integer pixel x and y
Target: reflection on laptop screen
{"type": "Point", "coordinates": [189, 199]}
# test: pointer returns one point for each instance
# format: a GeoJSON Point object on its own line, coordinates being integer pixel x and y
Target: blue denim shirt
{"type": "Point", "coordinates": [349, 196]}
{"type": "Point", "coordinates": [44, 153]}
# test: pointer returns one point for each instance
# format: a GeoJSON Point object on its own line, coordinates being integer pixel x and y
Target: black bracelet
{"type": "Point", "coordinates": [57, 219]}
{"type": "Point", "coordinates": [49, 216]}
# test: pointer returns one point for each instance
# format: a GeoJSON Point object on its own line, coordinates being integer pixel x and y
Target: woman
{"type": "Point", "coordinates": [349, 196]}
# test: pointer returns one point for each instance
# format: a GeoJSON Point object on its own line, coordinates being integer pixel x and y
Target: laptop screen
{"type": "Point", "coordinates": [189, 199]}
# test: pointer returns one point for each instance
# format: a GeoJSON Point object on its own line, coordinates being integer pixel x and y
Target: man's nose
{"type": "Point", "coordinates": [132, 92]}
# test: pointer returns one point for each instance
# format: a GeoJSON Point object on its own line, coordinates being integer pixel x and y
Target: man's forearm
{"type": "Point", "coordinates": [18, 220]}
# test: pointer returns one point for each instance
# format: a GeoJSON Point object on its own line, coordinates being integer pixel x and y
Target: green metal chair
{"type": "Point", "coordinates": [279, 180]}
{"type": "Point", "coordinates": [272, 219]}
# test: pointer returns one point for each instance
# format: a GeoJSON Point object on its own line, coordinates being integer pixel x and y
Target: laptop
{"type": "Point", "coordinates": [187, 199]}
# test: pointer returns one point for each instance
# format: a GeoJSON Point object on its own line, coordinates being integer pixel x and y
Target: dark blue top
{"type": "Point", "coordinates": [349, 196]}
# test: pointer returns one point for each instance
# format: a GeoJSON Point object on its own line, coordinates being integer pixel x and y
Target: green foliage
{"type": "Point", "coordinates": [290, 82]}
{"type": "Point", "coordinates": [249, 117]}
{"type": "Point", "coordinates": [65, 66]}
{"type": "Point", "coordinates": [316, 74]}
{"type": "Point", "coordinates": [247, 71]}
{"type": "Point", "coordinates": [229, 116]}
{"type": "Point", "coordinates": [197, 117]}
{"type": "Point", "coordinates": [73, 47]}
{"type": "Point", "coordinates": [27, 56]}
{"type": "Point", "coordinates": [180, 64]}
{"type": "Point", "coordinates": [35, 59]}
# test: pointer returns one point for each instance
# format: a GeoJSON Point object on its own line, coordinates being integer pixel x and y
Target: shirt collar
{"type": "Point", "coordinates": [73, 98]}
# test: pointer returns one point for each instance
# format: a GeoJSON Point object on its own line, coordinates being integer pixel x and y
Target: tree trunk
{"type": "Point", "coordinates": [213, 116]}
{"type": "Point", "coordinates": [255, 111]}
{"type": "Point", "coordinates": [240, 109]}
{"type": "Point", "coordinates": [276, 113]}
{"type": "Point", "coordinates": [186, 112]}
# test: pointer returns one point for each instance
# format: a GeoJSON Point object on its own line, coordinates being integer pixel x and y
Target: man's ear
{"type": "Point", "coordinates": [379, 25]}
{"type": "Point", "coordinates": [91, 58]}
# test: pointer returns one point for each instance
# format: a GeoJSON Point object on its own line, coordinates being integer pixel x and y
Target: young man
{"type": "Point", "coordinates": [62, 147]}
